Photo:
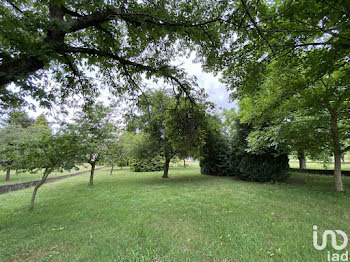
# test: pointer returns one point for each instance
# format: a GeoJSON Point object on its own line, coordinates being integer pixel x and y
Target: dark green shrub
{"type": "Point", "coordinates": [147, 164]}
{"type": "Point", "coordinates": [215, 155]}
{"type": "Point", "coordinates": [269, 164]}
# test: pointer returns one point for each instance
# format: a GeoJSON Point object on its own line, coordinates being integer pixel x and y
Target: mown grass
{"type": "Point", "coordinates": [188, 217]}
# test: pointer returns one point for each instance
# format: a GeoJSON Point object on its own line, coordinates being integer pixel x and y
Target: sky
{"type": "Point", "coordinates": [216, 90]}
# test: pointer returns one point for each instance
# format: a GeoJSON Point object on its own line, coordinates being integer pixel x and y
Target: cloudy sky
{"type": "Point", "coordinates": [217, 91]}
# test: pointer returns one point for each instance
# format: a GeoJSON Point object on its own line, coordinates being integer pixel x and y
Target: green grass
{"type": "Point", "coordinates": [189, 217]}
{"type": "Point", "coordinates": [24, 177]}
{"type": "Point", "coordinates": [317, 165]}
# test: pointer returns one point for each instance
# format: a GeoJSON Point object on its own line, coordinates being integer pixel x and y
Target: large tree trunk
{"type": "Point", "coordinates": [166, 167]}
{"type": "Point", "coordinates": [111, 170]}
{"type": "Point", "coordinates": [185, 163]}
{"type": "Point", "coordinates": [92, 172]}
{"type": "Point", "coordinates": [338, 184]}
{"type": "Point", "coordinates": [302, 160]}
{"type": "Point", "coordinates": [42, 181]}
{"type": "Point", "coordinates": [8, 171]}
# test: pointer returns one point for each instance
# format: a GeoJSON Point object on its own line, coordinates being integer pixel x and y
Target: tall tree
{"type": "Point", "coordinates": [311, 117]}
{"type": "Point", "coordinates": [150, 119]}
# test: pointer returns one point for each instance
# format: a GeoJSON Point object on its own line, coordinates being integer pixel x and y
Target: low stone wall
{"type": "Point", "coordinates": [18, 186]}
{"type": "Point", "coordinates": [319, 171]}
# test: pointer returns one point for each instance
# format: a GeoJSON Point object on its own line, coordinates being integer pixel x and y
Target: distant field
{"type": "Point", "coordinates": [188, 217]}
{"type": "Point", "coordinates": [317, 165]}
{"type": "Point", "coordinates": [24, 177]}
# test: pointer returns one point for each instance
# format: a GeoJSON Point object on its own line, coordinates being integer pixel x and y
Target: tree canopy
{"type": "Point", "coordinates": [117, 42]}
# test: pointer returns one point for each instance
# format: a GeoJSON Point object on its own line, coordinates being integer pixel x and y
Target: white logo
{"type": "Point", "coordinates": [334, 239]}
{"type": "Point", "coordinates": [330, 256]}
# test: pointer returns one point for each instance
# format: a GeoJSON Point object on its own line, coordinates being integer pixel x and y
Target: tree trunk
{"type": "Point", "coordinates": [91, 182]}
{"type": "Point", "coordinates": [338, 184]}
{"type": "Point", "coordinates": [185, 163]}
{"type": "Point", "coordinates": [166, 167]}
{"type": "Point", "coordinates": [337, 172]}
{"type": "Point", "coordinates": [343, 158]}
{"type": "Point", "coordinates": [8, 171]}
{"type": "Point", "coordinates": [111, 170]}
{"type": "Point", "coordinates": [302, 160]}
{"type": "Point", "coordinates": [42, 181]}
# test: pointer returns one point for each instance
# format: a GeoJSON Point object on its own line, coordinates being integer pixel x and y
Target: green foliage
{"type": "Point", "coordinates": [186, 125]}
{"type": "Point", "coordinates": [215, 154]}
{"type": "Point", "coordinates": [42, 123]}
{"type": "Point", "coordinates": [96, 132]}
{"type": "Point", "coordinates": [18, 117]}
{"type": "Point", "coordinates": [150, 119]}
{"type": "Point", "coordinates": [14, 141]}
{"type": "Point", "coordinates": [270, 164]}
{"type": "Point", "coordinates": [50, 152]}
{"type": "Point", "coordinates": [147, 164]}
{"type": "Point", "coordinates": [263, 167]}
{"type": "Point", "coordinates": [119, 41]}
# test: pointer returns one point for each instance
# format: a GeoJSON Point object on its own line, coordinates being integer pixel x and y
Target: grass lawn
{"type": "Point", "coordinates": [188, 217]}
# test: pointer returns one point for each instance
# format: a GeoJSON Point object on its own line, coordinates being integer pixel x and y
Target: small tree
{"type": "Point", "coordinates": [115, 154]}
{"type": "Point", "coordinates": [94, 128]}
{"type": "Point", "coordinates": [49, 152]}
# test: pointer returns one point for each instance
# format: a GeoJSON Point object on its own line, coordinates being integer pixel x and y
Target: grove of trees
{"type": "Point", "coordinates": [286, 63]}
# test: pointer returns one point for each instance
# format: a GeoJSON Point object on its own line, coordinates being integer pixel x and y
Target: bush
{"type": "Point", "coordinates": [215, 155]}
{"type": "Point", "coordinates": [147, 164]}
{"type": "Point", "coordinates": [269, 164]}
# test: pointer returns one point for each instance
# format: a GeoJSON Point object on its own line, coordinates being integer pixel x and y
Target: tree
{"type": "Point", "coordinates": [187, 123]}
{"type": "Point", "coordinates": [18, 127]}
{"type": "Point", "coordinates": [95, 130]}
{"type": "Point", "coordinates": [310, 117]}
{"type": "Point", "coordinates": [49, 152]}
{"type": "Point", "coordinates": [10, 137]}
{"type": "Point", "coordinates": [216, 152]}
{"type": "Point", "coordinates": [115, 154]}
{"type": "Point", "coordinates": [42, 123]}
{"type": "Point", "coordinates": [150, 119]}
{"type": "Point", "coordinates": [173, 124]}
{"type": "Point", "coordinates": [275, 30]}
{"type": "Point", "coordinates": [18, 117]}
{"type": "Point", "coordinates": [120, 40]}
{"type": "Point", "coordinates": [267, 164]}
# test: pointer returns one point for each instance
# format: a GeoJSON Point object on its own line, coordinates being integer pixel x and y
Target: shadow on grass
{"type": "Point", "coordinates": [156, 179]}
